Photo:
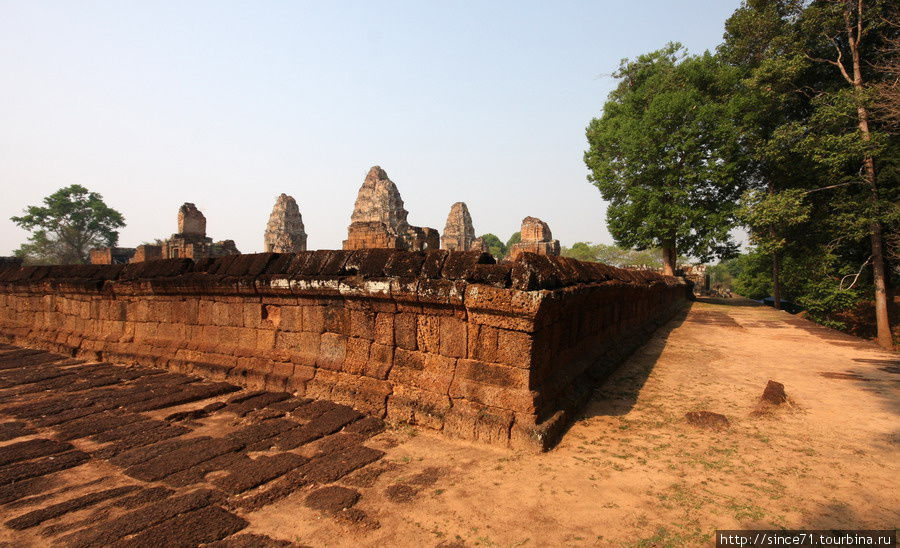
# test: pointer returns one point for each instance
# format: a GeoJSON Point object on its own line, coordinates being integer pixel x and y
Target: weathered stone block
{"type": "Point", "coordinates": [453, 337]}
{"type": "Point", "coordinates": [362, 324]}
{"type": "Point", "coordinates": [428, 333]}
{"type": "Point", "coordinates": [332, 351]}
{"type": "Point", "coordinates": [384, 328]}
{"type": "Point", "coordinates": [405, 331]}
{"type": "Point", "coordinates": [314, 319]}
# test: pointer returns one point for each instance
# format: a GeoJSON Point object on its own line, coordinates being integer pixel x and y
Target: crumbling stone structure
{"type": "Point", "coordinates": [189, 242]}
{"type": "Point", "coordinates": [285, 232]}
{"type": "Point", "coordinates": [501, 353]}
{"type": "Point", "coordinates": [147, 252]}
{"type": "Point", "coordinates": [478, 244]}
{"type": "Point", "coordinates": [536, 238]}
{"type": "Point", "coordinates": [112, 255]}
{"type": "Point", "coordinates": [459, 234]}
{"type": "Point", "coordinates": [379, 219]}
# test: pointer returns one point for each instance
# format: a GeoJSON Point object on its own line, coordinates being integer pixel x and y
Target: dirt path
{"type": "Point", "coordinates": [630, 472]}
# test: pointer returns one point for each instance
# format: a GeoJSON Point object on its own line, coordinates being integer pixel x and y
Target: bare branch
{"type": "Point", "coordinates": [855, 277]}
{"type": "Point", "coordinates": [835, 186]}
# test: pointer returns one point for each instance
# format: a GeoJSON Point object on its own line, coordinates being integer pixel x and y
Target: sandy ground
{"type": "Point", "coordinates": [632, 472]}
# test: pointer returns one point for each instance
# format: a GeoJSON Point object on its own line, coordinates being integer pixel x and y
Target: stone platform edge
{"type": "Point", "coordinates": [499, 353]}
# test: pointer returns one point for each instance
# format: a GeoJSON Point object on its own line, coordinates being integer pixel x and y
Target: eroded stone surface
{"type": "Point", "coordinates": [285, 232]}
{"type": "Point", "coordinates": [379, 219]}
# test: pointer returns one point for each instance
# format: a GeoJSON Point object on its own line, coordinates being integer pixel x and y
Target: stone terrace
{"type": "Point", "coordinates": [501, 353]}
{"type": "Point", "coordinates": [95, 454]}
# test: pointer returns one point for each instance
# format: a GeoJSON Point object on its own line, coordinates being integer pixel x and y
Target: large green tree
{"type": "Point", "coordinates": [846, 140]}
{"type": "Point", "coordinates": [67, 226]}
{"type": "Point", "coordinates": [810, 71]}
{"type": "Point", "coordinates": [664, 153]}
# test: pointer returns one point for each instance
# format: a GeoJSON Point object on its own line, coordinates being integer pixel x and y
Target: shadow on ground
{"type": "Point", "coordinates": [618, 394]}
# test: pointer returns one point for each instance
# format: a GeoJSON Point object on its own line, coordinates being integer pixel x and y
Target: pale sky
{"type": "Point", "coordinates": [228, 104]}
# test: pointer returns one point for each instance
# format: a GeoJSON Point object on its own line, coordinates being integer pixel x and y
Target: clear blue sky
{"type": "Point", "coordinates": [228, 104]}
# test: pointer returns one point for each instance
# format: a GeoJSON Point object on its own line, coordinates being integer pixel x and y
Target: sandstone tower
{"type": "Point", "coordinates": [285, 232]}
{"type": "Point", "coordinates": [191, 221]}
{"type": "Point", "coordinates": [459, 234]}
{"type": "Point", "coordinates": [379, 219]}
{"type": "Point", "coordinates": [536, 238]}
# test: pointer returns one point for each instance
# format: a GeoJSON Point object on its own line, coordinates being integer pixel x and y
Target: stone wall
{"type": "Point", "coordinates": [501, 353]}
{"type": "Point", "coordinates": [112, 255]}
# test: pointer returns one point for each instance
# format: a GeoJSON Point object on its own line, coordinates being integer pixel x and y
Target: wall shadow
{"type": "Point", "coordinates": [618, 392]}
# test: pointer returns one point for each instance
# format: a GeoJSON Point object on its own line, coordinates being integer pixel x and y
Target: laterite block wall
{"type": "Point", "coordinates": [502, 353]}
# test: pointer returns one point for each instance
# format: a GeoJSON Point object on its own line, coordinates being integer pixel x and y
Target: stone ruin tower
{"type": "Point", "coordinates": [536, 238]}
{"type": "Point", "coordinates": [191, 222]}
{"type": "Point", "coordinates": [458, 232]}
{"type": "Point", "coordinates": [285, 232]}
{"type": "Point", "coordinates": [189, 242]}
{"type": "Point", "coordinates": [379, 219]}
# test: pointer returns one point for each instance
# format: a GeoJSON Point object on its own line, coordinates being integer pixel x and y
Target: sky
{"type": "Point", "coordinates": [227, 104]}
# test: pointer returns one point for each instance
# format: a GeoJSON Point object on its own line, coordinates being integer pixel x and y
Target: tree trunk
{"type": "Point", "coordinates": [776, 280]}
{"type": "Point", "coordinates": [882, 320]}
{"type": "Point", "coordinates": [669, 255]}
{"type": "Point", "coordinates": [776, 263]}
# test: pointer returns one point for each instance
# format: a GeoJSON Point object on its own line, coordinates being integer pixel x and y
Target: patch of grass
{"type": "Point", "coordinates": [744, 512]}
{"type": "Point", "coordinates": [670, 538]}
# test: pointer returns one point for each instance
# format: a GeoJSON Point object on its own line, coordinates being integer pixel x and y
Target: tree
{"type": "Point", "coordinates": [810, 71]}
{"type": "Point", "coordinates": [514, 239]}
{"type": "Point", "coordinates": [845, 25]}
{"type": "Point", "coordinates": [771, 217]}
{"type": "Point", "coordinates": [614, 255]}
{"type": "Point", "coordinates": [665, 155]}
{"type": "Point", "coordinates": [71, 222]}
{"type": "Point", "coordinates": [758, 42]}
{"type": "Point", "coordinates": [494, 245]}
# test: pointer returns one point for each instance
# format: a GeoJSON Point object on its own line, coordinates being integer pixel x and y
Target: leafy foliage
{"type": "Point", "coordinates": [613, 255]}
{"type": "Point", "coordinates": [495, 246]}
{"type": "Point", "coordinates": [665, 154]}
{"type": "Point", "coordinates": [67, 226]}
{"type": "Point", "coordinates": [514, 239]}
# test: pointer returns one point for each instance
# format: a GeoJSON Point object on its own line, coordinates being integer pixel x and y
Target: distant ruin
{"type": "Point", "coordinates": [459, 234]}
{"type": "Point", "coordinates": [285, 232]}
{"type": "Point", "coordinates": [536, 238]}
{"type": "Point", "coordinates": [112, 255]}
{"type": "Point", "coordinates": [379, 219]}
{"type": "Point", "coordinates": [190, 242]}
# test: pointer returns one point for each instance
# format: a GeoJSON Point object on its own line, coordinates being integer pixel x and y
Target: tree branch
{"type": "Point", "coordinates": [855, 277]}
{"type": "Point", "coordinates": [834, 186]}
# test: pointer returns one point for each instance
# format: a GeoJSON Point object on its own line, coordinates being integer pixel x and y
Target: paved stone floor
{"type": "Point", "coordinates": [96, 454]}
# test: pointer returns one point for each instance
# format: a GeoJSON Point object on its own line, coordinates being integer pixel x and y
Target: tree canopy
{"type": "Point", "coordinates": [67, 226]}
{"type": "Point", "coordinates": [614, 255]}
{"type": "Point", "coordinates": [665, 155]}
{"type": "Point", "coordinates": [494, 245]}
